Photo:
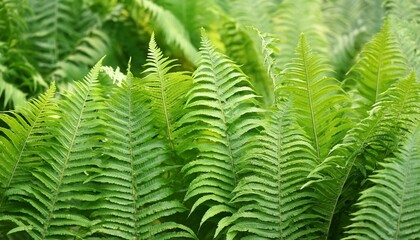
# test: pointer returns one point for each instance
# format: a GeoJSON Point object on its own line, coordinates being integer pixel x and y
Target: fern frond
{"type": "Point", "coordinates": [221, 115]}
{"type": "Point", "coordinates": [11, 94]}
{"type": "Point", "coordinates": [319, 101]}
{"type": "Point", "coordinates": [135, 197]}
{"type": "Point", "coordinates": [53, 204]}
{"type": "Point", "coordinates": [295, 17]}
{"type": "Point", "coordinates": [191, 14]}
{"type": "Point", "coordinates": [405, 10]}
{"type": "Point", "coordinates": [171, 27]}
{"type": "Point", "coordinates": [256, 13]}
{"type": "Point", "coordinates": [409, 41]}
{"type": "Point", "coordinates": [243, 47]}
{"type": "Point", "coordinates": [166, 89]}
{"type": "Point", "coordinates": [12, 21]}
{"type": "Point", "coordinates": [273, 205]}
{"type": "Point", "coordinates": [52, 26]}
{"type": "Point", "coordinates": [26, 128]}
{"type": "Point", "coordinates": [380, 64]}
{"type": "Point", "coordinates": [65, 37]}
{"type": "Point", "coordinates": [390, 208]}
{"type": "Point", "coordinates": [88, 49]}
{"type": "Point", "coordinates": [270, 54]}
{"type": "Point", "coordinates": [350, 25]}
{"type": "Point", "coordinates": [375, 137]}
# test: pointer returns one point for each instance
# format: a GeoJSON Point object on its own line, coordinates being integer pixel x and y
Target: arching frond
{"type": "Point", "coordinates": [270, 54]}
{"type": "Point", "coordinates": [54, 202]}
{"type": "Point", "coordinates": [166, 89]}
{"type": "Point", "coordinates": [320, 103]}
{"type": "Point", "coordinates": [243, 46]}
{"type": "Point", "coordinates": [26, 129]}
{"type": "Point", "coordinates": [11, 94]}
{"type": "Point", "coordinates": [171, 27]}
{"type": "Point", "coordinates": [273, 205]}
{"type": "Point", "coordinates": [375, 137]}
{"type": "Point", "coordinates": [380, 64]}
{"type": "Point", "coordinates": [191, 14]}
{"type": "Point", "coordinates": [221, 115]}
{"type": "Point", "coordinates": [390, 208]}
{"type": "Point", "coordinates": [135, 197]}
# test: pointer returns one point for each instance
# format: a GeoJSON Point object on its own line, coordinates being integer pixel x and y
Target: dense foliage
{"type": "Point", "coordinates": [281, 119]}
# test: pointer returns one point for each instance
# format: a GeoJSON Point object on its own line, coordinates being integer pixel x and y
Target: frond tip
{"type": "Point", "coordinates": [166, 89]}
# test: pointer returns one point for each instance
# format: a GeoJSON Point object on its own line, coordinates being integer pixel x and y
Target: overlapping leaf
{"type": "Point", "coordinates": [273, 204]}
{"type": "Point", "coordinates": [135, 197]}
{"type": "Point", "coordinates": [221, 116]}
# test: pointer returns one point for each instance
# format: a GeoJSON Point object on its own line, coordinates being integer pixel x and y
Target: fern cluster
{"type": "Point", "coordinates": [313, 150]}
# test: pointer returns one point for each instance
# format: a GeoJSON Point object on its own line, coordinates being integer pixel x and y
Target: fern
{"type": "Point", "coordinates": [309, 83]}
{"type": "Point", "coordinates": [270, 53]}
{"type": "Point", "coordinates": [55, 200]}
{"type": "Point", "coordinates": [408, 10]}
{"type": "Point", "coordinates": [379, 65]}
{"type": "Point", "coordinates": [166, 89]}
{"type": "Point", "coordinates": [172, 29]}
{"type": "Point", "coordinates": [408, 40]}
{"type": "Point", "coordinates": [221, 115]}
{"type": "Point", "coordinates": [18, 78]}
{"type": "Point", "coordinates": [270, 141]}
{"type": "Point", "coordinates": [64, 37]}
{"type": "Point", "coordinates": [296, 17]}
{"type": "Point", "coordinates": [388, 209]}
{"type": "Point", "coordinates": [257, 13]}
{"type": "Point", "coordinates": [135, 198]}
{"type": "Point", "coordinates": [26, 130]}
{"type": "Point", "coordinates": [11, 93]}
{"type": "Point", "coordinates": [243, 46]}
{"type": "Point", "coordinates": [273, 206]}
{"type": "Point", "coordinates": [395, 114]}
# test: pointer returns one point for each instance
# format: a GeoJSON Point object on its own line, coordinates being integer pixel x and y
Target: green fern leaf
{"type": "Point", "coordinates": [11, 93]}
{"type": "Point", "coordinates": [379, 65]}
{"type": "Point", "coordinates": [408, 40]}
{"type": "Point", "coordinates": [91, 46]}
{"type": "Point", "coordinates": [27, 128]}
{"type": "Point", "coordinates": [171, 27]}
{"type": "Point", "coordinates": [319, 101]}
{"type": "Point", "coordinates": [135, 197]}
{"type": "Point", "coordinates": [390, 208]}
{"type": "Point", "coordinates": [404, 10]}
{"type": "Point", "coordinates": [65, 38]}
{"type": "Point", "coordinates": [375, 137]}
{"type": "Point", "coordinates": [270, 54]}
{"type": "Point", "coordinates": [294, 17]}
{"type": "Point", "coordinates": [166, 89]}
{"type": "Point", "coordinates": [54, 202]}
{"type": "Point", "coordinates": [221, 115]}
{"type": "Point", "coordinates": [243, 46]}
{"type": "Point", "coordinates": [273, 206]}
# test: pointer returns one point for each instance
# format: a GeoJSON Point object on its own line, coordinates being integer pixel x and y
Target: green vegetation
{"type": "Point", "coordinates": [279, 119]}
